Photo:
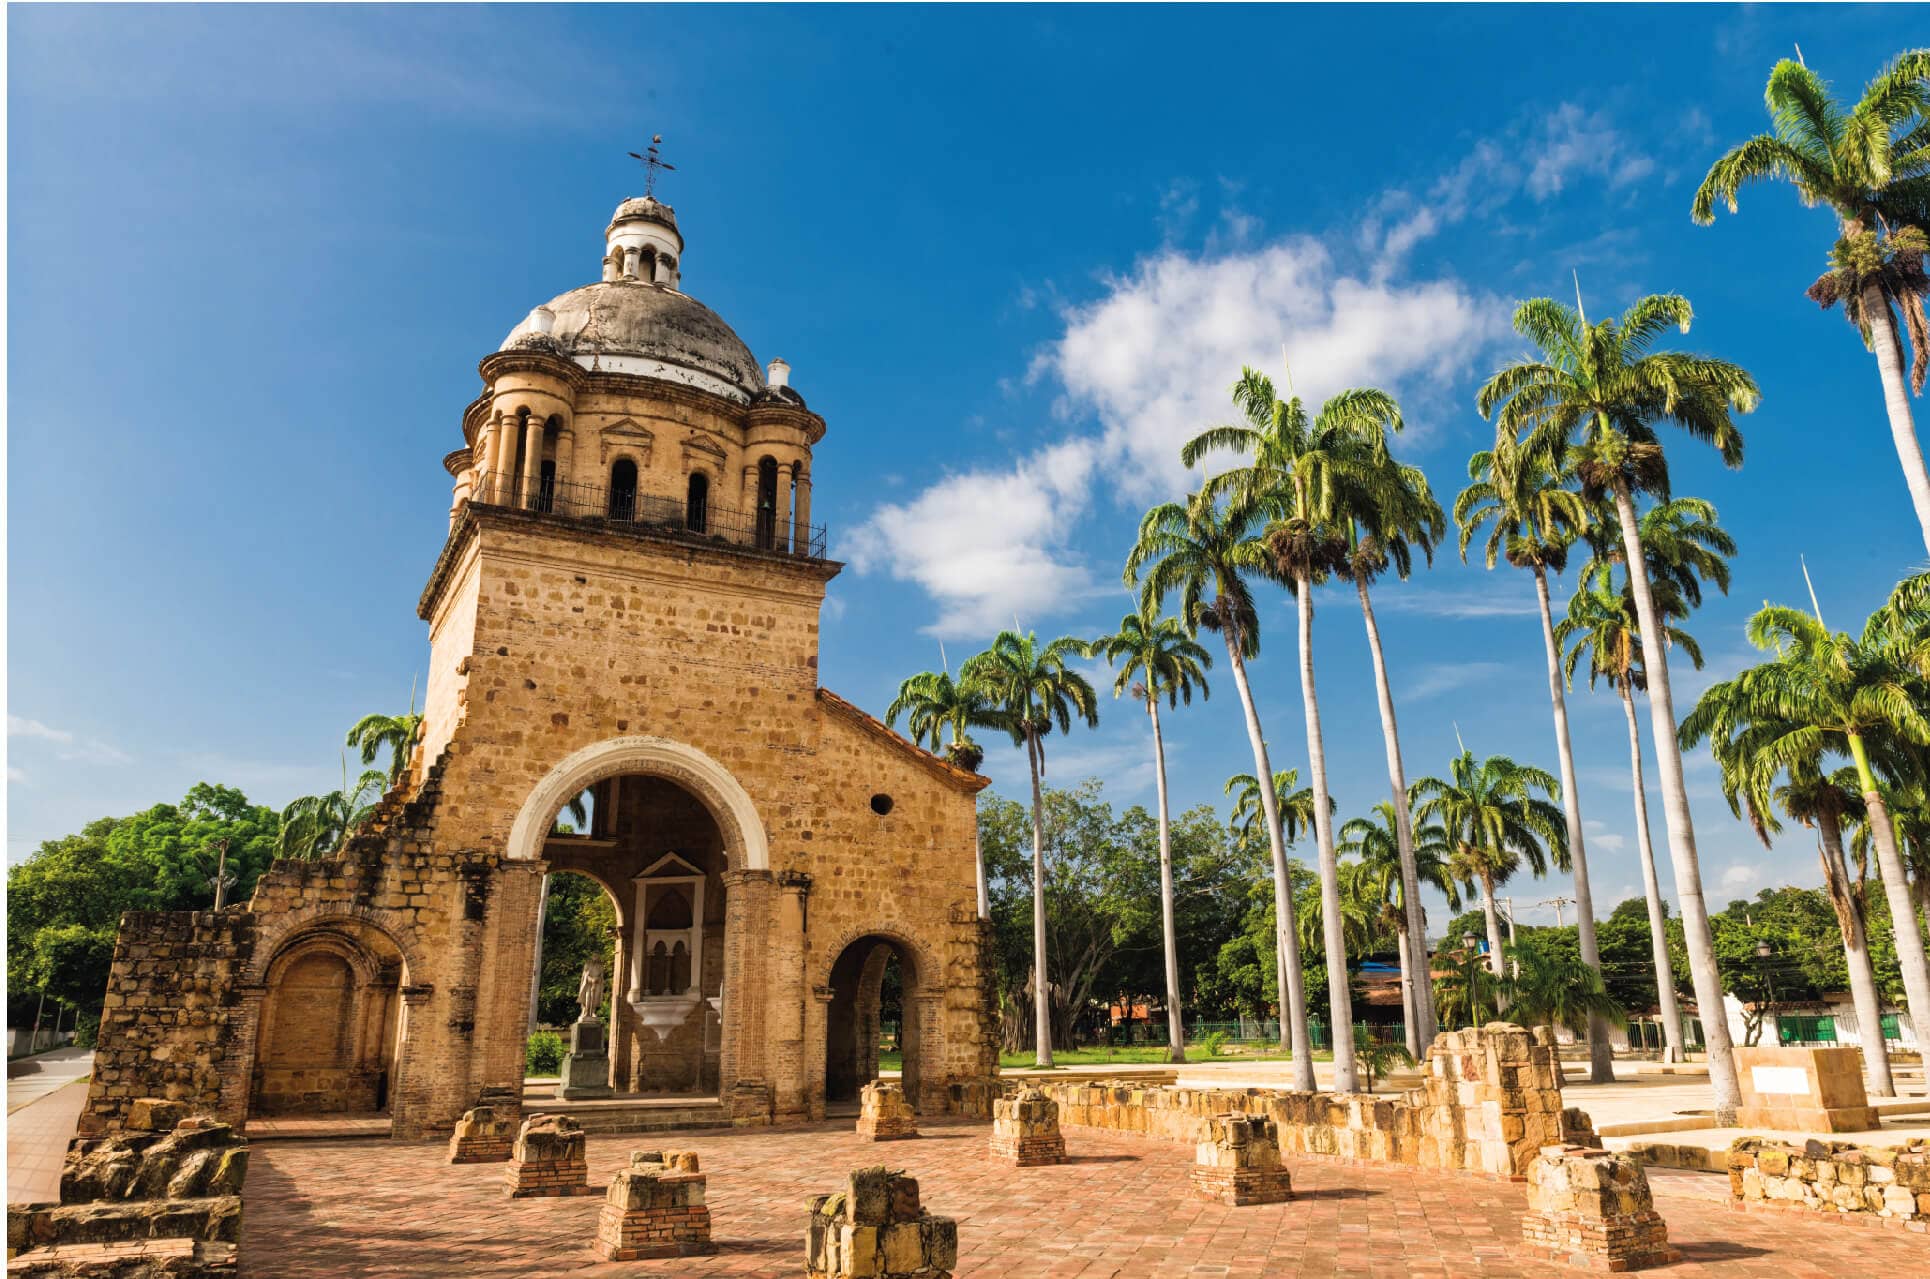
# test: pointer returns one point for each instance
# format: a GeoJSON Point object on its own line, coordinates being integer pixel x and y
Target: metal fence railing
{"type": "Point", "coordinates": [687, 519]}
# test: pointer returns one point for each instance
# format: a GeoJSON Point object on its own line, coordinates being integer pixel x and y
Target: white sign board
{"type": "Point", "coordinates": [1779, 1079]}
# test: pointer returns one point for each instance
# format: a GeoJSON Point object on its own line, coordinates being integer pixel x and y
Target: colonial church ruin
{"type": "Point", "coordinates": [625, 613]}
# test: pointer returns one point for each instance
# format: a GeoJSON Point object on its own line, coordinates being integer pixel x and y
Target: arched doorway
{"type": "Point", "coordinates": [329, 1037]}
{"type": "Point", "coordinates": [870, 1017]}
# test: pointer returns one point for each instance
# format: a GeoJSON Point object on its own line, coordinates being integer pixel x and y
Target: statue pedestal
{"type": "Point", "coordinates": [586, 1068]}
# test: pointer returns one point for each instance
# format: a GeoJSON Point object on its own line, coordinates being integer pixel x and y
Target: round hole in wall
{"type": "Point", "coordinates": [881, 803]}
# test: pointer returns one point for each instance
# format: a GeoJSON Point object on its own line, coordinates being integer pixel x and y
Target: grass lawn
{"type": "Point", "coordinates": [1148, 1056]}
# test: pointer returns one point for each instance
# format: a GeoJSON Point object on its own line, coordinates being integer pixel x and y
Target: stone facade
{"type": "Point", "coordinates": [484, 1135]}
{"type": "Point", "coordinates": [669, 668]}
{"type": "Point", "coordinates": [1491, 1099]}
{"type": "Point", "coordinates": [1592, 1209]}
{"type": "Point", "coordinates": [163, 1196]}
{"type": "Point", "coordinates": [877, 1228]}
{"type": "Point", "coordinates": [1025, 1130]}
{"type": "Point", "coordinates": [548, 1160]}
{"type": "Point", "coordinates": [1237, 1161]}
{"type": "Point", "coordinates": [1803, 1090]}
{"type": "Point", "coordinates": [1883, 1183]}
{"type": "Point", "coordinates": [655, 1208]}
{"type": "Point", "coordinates": [884, 1114]}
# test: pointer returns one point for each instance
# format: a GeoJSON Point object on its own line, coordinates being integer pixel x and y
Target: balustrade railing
{"type": "Point", "coordinates": [699, 519]}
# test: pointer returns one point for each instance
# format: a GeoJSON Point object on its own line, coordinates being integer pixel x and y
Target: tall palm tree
{"type": "Point", "coordinates": [1870, 165]}
{"type": "Point", "coordinates": [397, 734]}
{"type": "Point", "coordinates": [1034, 689]}
{"type": "Point", "coordinates": [937, 707]}
{"type": "Point", "coordinates": [1387, 519]}
{"type": "Point", "coordinates": [317, 826]}
{"type": "Point", "coordinates": [1494, 820]}
{"type": "Point", "coordinates": [1157, 659]}
{"type": "Point", "coordinates": [1597, 394]}
{"type": "Point", "coordinates": [1377, 842]}
{"type": "Point", "coordinates": [1206, 551]}
{"type": "Point", "coordinates": [1295, 806]}
{"type": "Point", "coordinates": [1534, 515]}
{"type": "Point", "coordinates": [1553, 990]}
{"type": "Point", "coordinates": [1299, 468]}
{"type": "Point", "coordinates": [1601, 626]}
{"type": "Point", "coordinates": [1829, 691]}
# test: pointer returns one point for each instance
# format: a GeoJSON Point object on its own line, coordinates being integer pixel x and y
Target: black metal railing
{"type": "Point", "coordinates": [700, 519]}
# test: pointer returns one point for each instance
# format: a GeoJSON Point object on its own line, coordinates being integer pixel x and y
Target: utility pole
{"type": "Point", "coordinates": [1557, 902]}
{"type": "Point", "coordinates": [1511, 933]}
{"type": "Point", "coordinates": [221, 879]}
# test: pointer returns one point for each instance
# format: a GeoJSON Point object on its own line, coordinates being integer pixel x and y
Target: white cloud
{"type": "Point", "coordinates": [17, 776]}
{"type": "Point", "coordinates": [1741, 878]}
{"type": "Point", "coordinates": [1597, 835]}
{"type": "Point", "coordinates": [1498, 597]}
{"type": "Point", "coordinates": [1445, 677]}
{"type": "Point", "coordinates": [66, 746]}
{"type": "Point", "coordinates": [1573, 141]}
{"type": "Point", "coordinates": [20, 726]}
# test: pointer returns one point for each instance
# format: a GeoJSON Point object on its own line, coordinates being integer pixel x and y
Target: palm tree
{"type": "Point", "coordinates": [1469, 988]}
{"type": "Point", "coordinates": [1389, 518]}
{"type": "Point", "coordinates": [936, 707]}
{"type": "Point", "coordinates": [317, 826]}
{"type": "Point", "coordinates": [1206, 551]}
{"type": "Point", "coordinates": [1870, 165]}
{"type": "Point", "coordinates": [1034, 689]}
{"type": "Point", "coordinates": [1553, 990]}
{"type": "Point", "coordinates": [1829, 691]}
{"type": "Point", "coordinates": [1376, 841]}
{"type": "Point", "coordinates": [1298, 471]}
{"type": "Point", "coordinates": [1600, 391]}
{"type": "Point", "coordinates": [1157, 659]}
{"type": "Point", "coordinates": [1360, 898]}
{"type": "Point", "coordinates": [1601, 625]}
{"type": "Point", "coordinates": [1295, 807]}
{"type": "Point", "coordinates": [1494, 820]}
{"type": "Point", "coordinates": [1534, 516]}
{"type": "Point", "coordinates": [396, 734]}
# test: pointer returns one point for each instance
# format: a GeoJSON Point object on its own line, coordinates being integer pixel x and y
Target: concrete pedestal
{"type": "Point", "coordinates": [586, 1067]}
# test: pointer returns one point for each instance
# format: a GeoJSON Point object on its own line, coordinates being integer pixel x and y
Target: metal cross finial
{"type": "Point", "coordinates": [652, 161]}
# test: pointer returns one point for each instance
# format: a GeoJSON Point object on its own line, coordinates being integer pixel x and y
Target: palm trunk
{"type": "Point", "coordinates": [1417, 1002]}
{"type": "Point", "coordinates": [1293, 992]}
{"type": "Point", "coordinates": [1849, 916]}
{"type": "Point", "coordinates": [1339, 999]}
{"type": "Point", "coordinates": [1041, 1000]}
{"type": "Point", "coordinates": [1601, 1054]}
{"type": "Point", "coordinates": [1494, 926]}
{"type": "Point", "coordinates": [1903, 915]}
{"type": "Point", "coordinates": [536, 974]}
{"type": "Point", "coordinates": [1651, 891]}
{"type": "Point", "coordinates": [1175, 1022]}
{"type": "Point", "coordinates": [1896, 402]}
{"type": "Point", "coordinates": [1675, 811]}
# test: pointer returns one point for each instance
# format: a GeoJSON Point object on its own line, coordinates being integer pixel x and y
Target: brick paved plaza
{"type": "Point", "coordinates": [1120, 1206]}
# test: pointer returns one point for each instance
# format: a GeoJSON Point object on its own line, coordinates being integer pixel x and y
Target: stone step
{"type": "Point", "coordinates": [606, 1118]}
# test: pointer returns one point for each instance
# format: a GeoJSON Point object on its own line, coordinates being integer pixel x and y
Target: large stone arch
{"type": "Point", "coordinates": [745, 844]}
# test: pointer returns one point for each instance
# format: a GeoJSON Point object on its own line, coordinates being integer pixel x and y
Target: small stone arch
{"type": "Point", "coordinates": [746, 846]}
{"type": "Point", "coordinates": [849, 976]}
{"type": "Point", "coordinates": [328, 1025]}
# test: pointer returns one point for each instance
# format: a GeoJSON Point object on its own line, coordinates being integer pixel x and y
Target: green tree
{"type": "Point", "coordinates": [316, 826]}
{"type": "Point", "coordinates": [1466, 993]}
{"type": "Point", "coordinates": [939, 711]}
{"type": "Point", "coordinates": [1034, 689]}
{"type": "Point", "coordinates": [1597, 395]}
{"type": "Point", "coordinates": [1870, 166]}
{"type": "Point", "coordinates": [1157, 659]}
{"type": "Point", "coordinates": [1300, 470]}
{"type": "Point", "coordinates": [1376, 842]}
{"type": "Point", "coordinates": [395, 734]}
{"type": "Point", "coordinates": [1206, 552]}
{"type": "Point", "coordinates": [1551, 989]}
{"type": "Point", "coordinates": [579, 920]}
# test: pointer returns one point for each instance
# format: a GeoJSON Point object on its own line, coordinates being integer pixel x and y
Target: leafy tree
{"type": "Point", "coordinates": [316, 826]}
{"type": "Point", "coordinates": [1206, 552]}
{"type": "Point", "coordinates": [1466, 994]}
{"type": "Point", "coordinates": [1157, 660]}
{"type": "Point", "coordinates": [1870, 166]}
{"type": "Point", "coordinates": [1375, 841]}
{"type": "Point", "coordinates": [395, 734]}
{"type": "Point", "coordinates": [1552, 989]}
{"type": "Point", "coordinates": [1597, 395]}
{"type": "Point", "coordinates": [1377, 1059]}
{"type": "Point", "coordinates": [579, 920]}
{"type": "Point", "coordinates": [1034, 689]}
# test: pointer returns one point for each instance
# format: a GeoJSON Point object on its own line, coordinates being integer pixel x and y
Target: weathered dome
{"type": "Point", "coordinates": [627, 326]}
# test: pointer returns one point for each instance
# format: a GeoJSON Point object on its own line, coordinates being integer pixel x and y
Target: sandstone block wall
{"type": "Point", "coordinates": [1887, 1183]}
{"type": "Point", "coordinates": [549, 1160]}
{"type": "Point", "coordinates": [1237, 1161]}
{"type": "Point", "coordinates": [877, 1228]}
{"type": "Point", "coordinates": [884, 1114]}
{"type": "Point", "coordinates": [1593, 1209]}
{"type": "Point", "coordinates": [1025, 1130]}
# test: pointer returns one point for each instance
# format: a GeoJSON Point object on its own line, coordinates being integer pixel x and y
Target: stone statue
{"type": "Point", "coordinates": [589, 991]}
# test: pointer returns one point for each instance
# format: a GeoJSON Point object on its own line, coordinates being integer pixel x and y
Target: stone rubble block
{"type": "Point", "coordinates": [877, 1228]}
{"type": "Point", "coordinates": [136, 1259]}
{"type": "Point", "coordinates": [1025, 1130]}
{"type": "Point", "coordinates": [884, 1114]}
{"type": "Point", "coordinates": [655, 1208]}
{"type": "Point", "coordinates": [1592, 1209]}
{"type": "Point", "coordinates": [1886, 1183]}
{"type": "Point", "coordinates": [1237, 1161]}
{"type": "Point", "coordinates": [484, 1135]}
{"type": "Point", "coordinates": [548, 1160]}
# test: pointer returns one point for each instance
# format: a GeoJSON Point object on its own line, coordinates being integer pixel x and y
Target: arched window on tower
{"type": "Point", "coordinates": [623, 490]}
{"type": "Point", "coordinates": [767, 503]}
{"type": "Point", "coordinates": [647, 266]}
{"type": "Point", "coordinates": [697, 504]}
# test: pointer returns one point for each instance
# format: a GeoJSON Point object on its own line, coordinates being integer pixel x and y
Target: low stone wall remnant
{"type": "Point", "coordinates": [548, 1160]}
{"type": "Point", "coordinates": [1237, 1161]}
{"type": "Point", "coordinates": [884, 1114]}
{"type": "Point", "coordinates": [1025, 1130]}
{"type": "Point", "coordinates": [877, 1227]}
{"type": "Point", "coordinates": [655, 1208]}
{"type": "Point", "coordinates": [484, 1135]}
{"type": "Point", "coordinates": [1592, 1209]}
{"type": "Point", "coordinates": [1882, 1183]}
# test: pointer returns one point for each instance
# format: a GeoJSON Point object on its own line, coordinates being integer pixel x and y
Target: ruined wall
{"type": "Point", "coordinates": [1886, 1183]}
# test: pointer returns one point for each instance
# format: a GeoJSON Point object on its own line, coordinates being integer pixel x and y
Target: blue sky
{"type": "Point", "coordinates": [1014, 256]}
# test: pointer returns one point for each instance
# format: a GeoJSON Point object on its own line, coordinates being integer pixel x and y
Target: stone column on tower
{"type": "Point", "coordinates": [747, 496]}
{"type": "Point", "coordinates": [781, 533]}
{"type": "Point", "coordinates": [801, 538]}
{"type": "Point", "coordinates": [532, 461]}
{"type": "Point", "coordinates": [566, 471]}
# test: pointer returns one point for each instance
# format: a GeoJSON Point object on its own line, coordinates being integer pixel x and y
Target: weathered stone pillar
{"type": "Point", "coordinates": [816, 1031]}
{"type": "Point", "coordinates": [655, 1208]}
{"type": "Point", "coordinates": [743, 1059]}
{"type": "Point", "coordinates": [785, 952]}
{"type": "Point", "coordinates": [1025, 1130]}
{"type": "Point", "coordinates": [502, 456]}
{"type": "Point", "coordinates": [532, 462]}
{"type": "Point", "coordinates": [566, 502]}
{"type": "Point", "coordinates": [878, 1227]}
{"type": "Point", "coordinates": [547, 1160]}
{"type": "Point", "coordinates": [747, 498]}
{"type": "Point", "coordinates": [1237, 1161]}
{"type": "Point", "coordinates": [781, 535]}
{"type": "Point", "coordinates": [1592, 1208]}
{"type": "Point", "coordinates": [884, 1114]}
{"type": "Point", "coordinates": [483, 1135]}
{"type": "Point", "coordinates": [801, 534]}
